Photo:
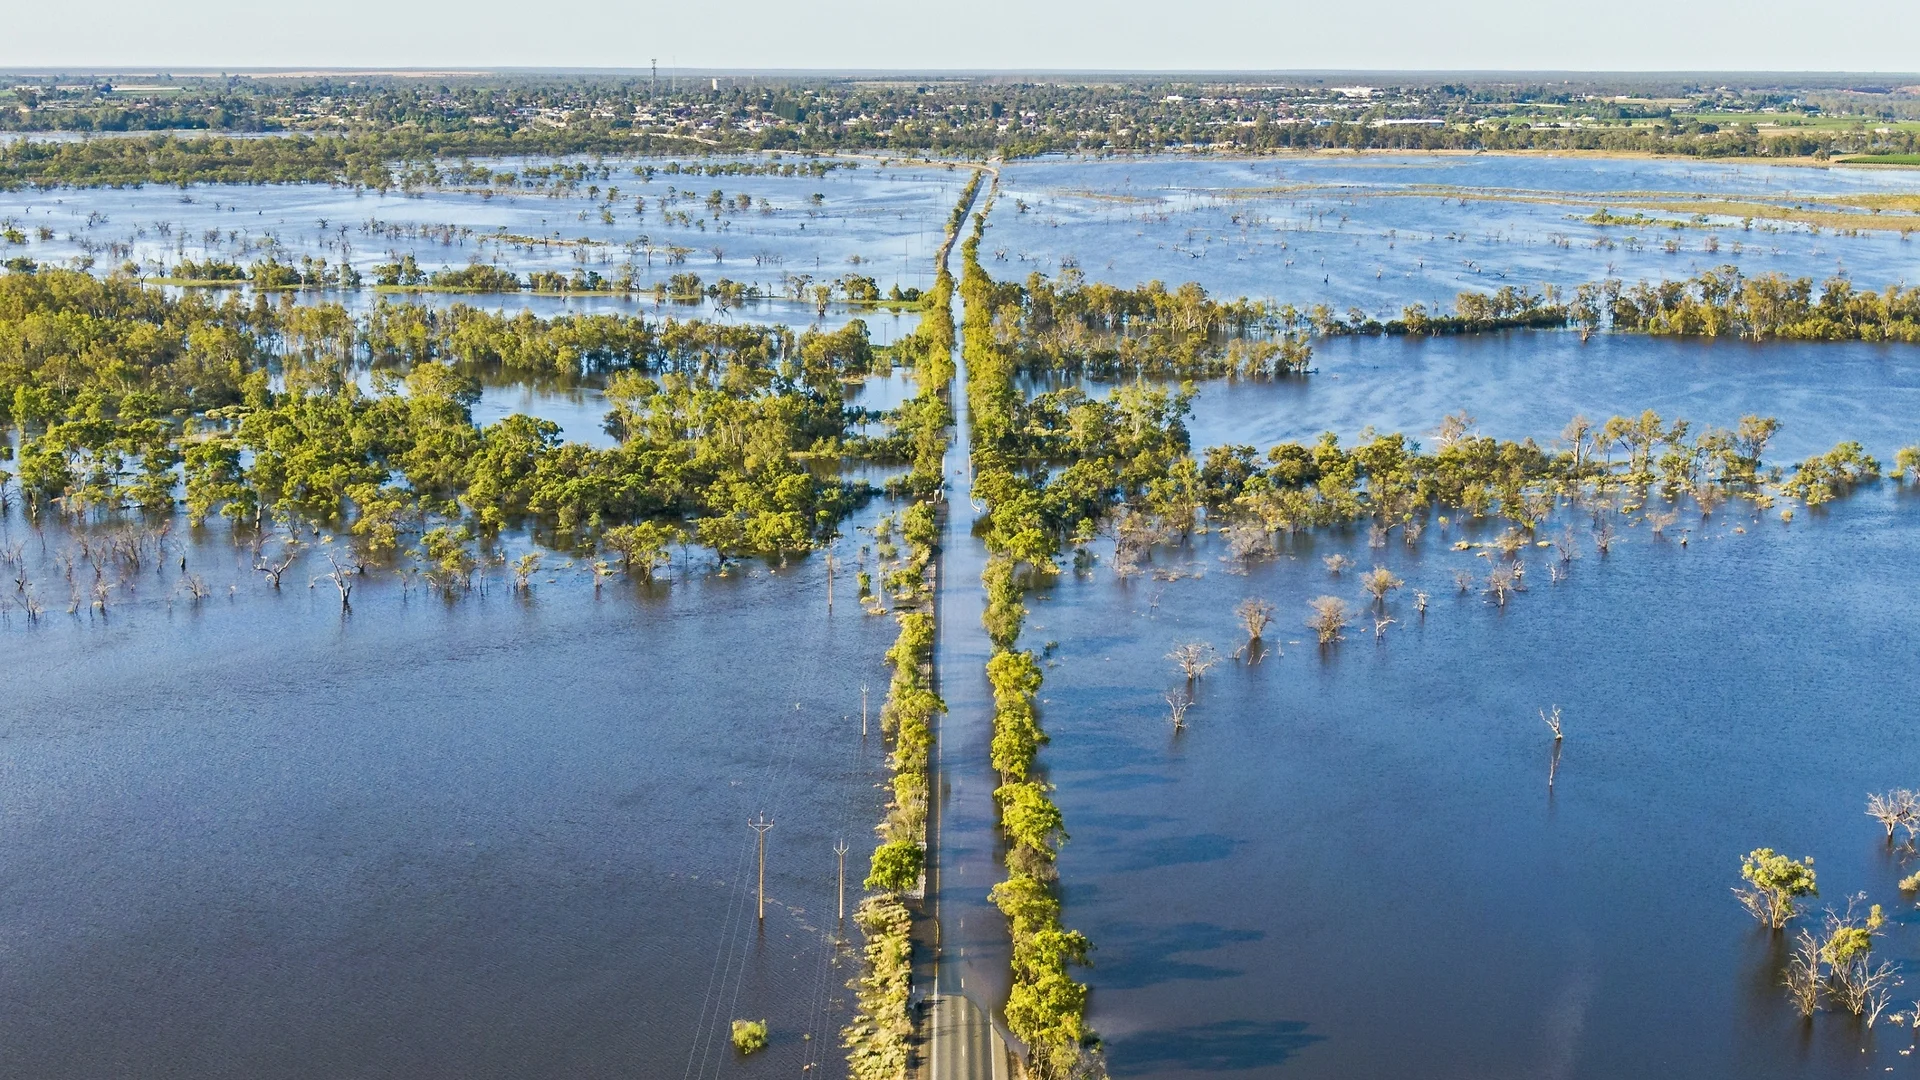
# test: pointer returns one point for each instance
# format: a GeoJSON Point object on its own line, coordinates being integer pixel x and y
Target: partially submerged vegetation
{"type": "Point", "coordinates": [1070, 324]}
{"type": "Point", "coordinates": [878, 1040]}
{"type": "Point", "coordinates": [1722, 302]}
{"type": "Point", "coordinates": [1046, 1007]}
{"type": "Point", "coordinates": [126, 398]}
{"type": "Point", "coordinates": [1725, 303]}
{"type": "Point", "coordinates": [1060, 468]}
{"type": "Point", "coordinates": [879, 1037]}
{"type": "Point", "coordinates": [1834, 966]}
{"type": "Point", "coordinates": [629, 280]}
{"type": "Point", "coordinates": [749, 1036]}
{"type": "Point", "coordinates": [129, 400]}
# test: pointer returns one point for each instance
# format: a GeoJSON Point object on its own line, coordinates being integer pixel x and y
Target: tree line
{"type": "Point", "coordinates": [1046, 1006]}
{"type": "Point", "coordinates": [493, 115]}
{"type": "Point", "coordinates": [879, 1038]}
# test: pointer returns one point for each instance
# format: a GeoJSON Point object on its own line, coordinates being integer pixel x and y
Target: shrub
{"type": "Point", "coordinates": [896, 866]}
{"type": "Point", "coordinates": [749, 1035]}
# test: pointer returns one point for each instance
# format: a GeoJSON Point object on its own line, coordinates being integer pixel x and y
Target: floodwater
{"type": "Point", "coordinates": [505, 836]}
{"type": "Point", "coordinates": [1350, 863]}
{"type": "Point", "coordinates": [499, 836]}
{"type": "Point", "coordinates": [883, 222]}
{"type": "Point", "coordinates": [1382, 231]}
{"type": "Point", "coordinates": [580, 407]}
{"type": "Point", "coordinates": [1528, 385]}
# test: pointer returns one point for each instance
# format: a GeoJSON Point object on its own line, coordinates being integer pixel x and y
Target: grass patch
{"type": "Point", "coordinates": [1881, 159]}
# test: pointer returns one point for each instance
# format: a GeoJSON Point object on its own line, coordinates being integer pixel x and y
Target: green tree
{"type": "Point", "coordinates": [1774, 881]}
{"type": "Point", "coordinates": [896, 866]}
{"type": "Point", "coordinates": [642, 547]}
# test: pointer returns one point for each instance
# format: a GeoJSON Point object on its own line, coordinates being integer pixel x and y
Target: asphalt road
{"type": "Point", "coordinates": [965, 1046]}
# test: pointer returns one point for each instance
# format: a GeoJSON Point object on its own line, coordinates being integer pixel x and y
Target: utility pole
{"type": "Point", "coordinates": [760, 825]}
{"type": "Point", "coordinates": [863, 710]}
{"type": "Point", "coordinates": [840, 849]}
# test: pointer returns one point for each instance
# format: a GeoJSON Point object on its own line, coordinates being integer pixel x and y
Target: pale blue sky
{"type": "Point", "coordinates": [1691, 35]}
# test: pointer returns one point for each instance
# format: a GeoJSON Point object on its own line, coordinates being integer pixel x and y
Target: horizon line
{"type": "Point", "coordinates": [477, 70]}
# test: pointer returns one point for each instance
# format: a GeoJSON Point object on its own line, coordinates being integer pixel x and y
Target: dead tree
{"type": "Point", "coordinates": [1567, 546]}
{"type": "Point", "coordinates": [1894, 809]}
{"type": "Point", "coordinates": [1329, 617]}
{"type": "Point", "coordinates": [1502, 583]}
{"type": "Point", "coordinates": [1337, 563]}
{"type": "Point", "coordinates": [196, 588]}
{"type": "Point", "coordinates": [1178, 702]}
{"type": "Point", "coordinates": [1193, 659]}
{"type": "Point", "coordinates": [1802, 976]}
{"type": "Point", "coordinates": [342, 581]}
{"type": "Point", "coordinates": [1254, 614]}
{"type": "Point", "coordinates": [274, 570]}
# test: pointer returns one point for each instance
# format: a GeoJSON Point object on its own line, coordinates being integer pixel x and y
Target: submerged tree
{"type": "Point", "coordinates": [749, 1035]}
{"type": "Point", "coordinates": [1254, 614]}
{"type": "Point", "coordinates": [642, 547]}
{"type": "Point", "coordinates": [275, 570]}
{"type": "Point", "coordinates": [1193, 658]}
{"type": "Point", "coordinates": [1503, 582]}
{"type": "Point", "coordinates": [341, 581]}
{"type": "Point", "coordinates": [1178, 702]}
{"type": "Point", "coordinates": [524, 568]}
{"type": "Point", "coordinates": [1893, 809]}
{"type": "Point", "coordinates": [1329, 617]}
{"type": "Point", "coordinates": [1775, 881]}
{"type": "Point", "coordinates": [1803, 975]}
{"type": "Point", "coordinates": [1854, 981]}
{"type": "Point", "coordinates": [1378, 582]}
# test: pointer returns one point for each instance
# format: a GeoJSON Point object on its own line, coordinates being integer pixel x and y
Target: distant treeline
{"type": "Point", "coordinates": [978, 118]}
{"type": "Point", "coordinates": [377, 160]}
{"type": "Point", "coordinates": [1695, 142]}
{"type": "Point", "coordinates": [388, 158]}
